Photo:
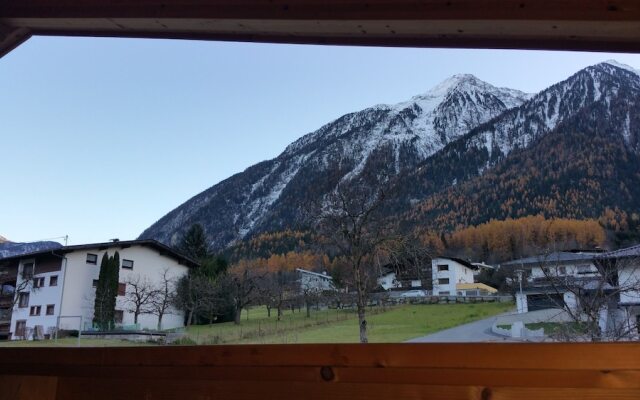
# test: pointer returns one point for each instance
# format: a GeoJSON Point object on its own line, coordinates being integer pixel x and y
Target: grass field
{"type": "Point", "coordinates": [331, 326]}
{"type": "Point", "coordinates": [389, 325]}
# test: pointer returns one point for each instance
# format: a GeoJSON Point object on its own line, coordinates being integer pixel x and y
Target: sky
{"type": "Point", "coordinates": [102, 137]}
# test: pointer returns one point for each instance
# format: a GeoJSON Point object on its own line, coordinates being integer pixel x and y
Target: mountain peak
{"type": "Point", "coordinates": [620, 65]}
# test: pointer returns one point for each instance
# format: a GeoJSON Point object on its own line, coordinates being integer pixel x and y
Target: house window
{"type": "Point", "coordinates": [23, 299]}
{"type": "Point", "coordinates": [53, 280]}
{"type": "Point", "coordinates": [27, 271]}
{"type": "Point", "coordinates": [562, 270]}
{"type": "Point", "coordinates": [443, 281]}
{"type": "Point", "coordinates": [92, 258]}
{"type": "Point", "coordinates": [444, 293]}
{"type": "Point", "coordinates": [38, 282]}
{"type": "Point", "coordinates": [35, 311]}
{"type": "Point", "coordinates": [50, 309]}
{"type": "Point", "coordinates": [122, 289]}
{"type": "Point", "coordinates": [118, 316]}
{"type": "Point", "coordinates": [21, 327]}
{"type": "Point", "coordinates": [95, 283]}
{"type": "Point", "coordinates": [127, 264]}
{"type": "Point", "coordinates": [443, 267]}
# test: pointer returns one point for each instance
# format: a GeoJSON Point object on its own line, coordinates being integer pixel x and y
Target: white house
{"type": "Point", "coordinates": [314, 281]}
{"type": "Point", "coordinates": [448, 273]}
{"type": "Point", "coordinates": [56, 288]}
{"type": "Point", "coordinates": [626, 263]}
{"type": "Point", "coordinates": [538, 271]}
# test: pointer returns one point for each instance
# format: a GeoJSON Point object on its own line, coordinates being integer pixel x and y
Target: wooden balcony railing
{"type": "Point", "coordinates": [376, 371]}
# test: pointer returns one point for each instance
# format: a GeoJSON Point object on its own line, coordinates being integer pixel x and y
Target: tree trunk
{"type": "Point", "coordinates": [362, 305]}
{"type": "Point", "coordinates": [279, 312]}
{"type": "Point", "coordinates": [159, 322]}
{"type": "Point", "coordinates": [362, 322]}
{"type": "Point", "coordinates": [135, 317]}
{"type": "Point", "coordinates": [236, 320]}
{"type": "Point", "coordinates": [308, 309]}
{"type": "Point", "coordinates": [190, 318]}
{"type": "Point", "coordinates": [268, 311]}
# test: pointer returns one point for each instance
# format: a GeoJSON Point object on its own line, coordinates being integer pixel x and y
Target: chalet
{"type": "Point", "coordinates": [538, 274]}
{"type": "Point", "coordinates": [399, 276]}
{"type": "Point", "coordinates": [314, 281]}
{"type": "Point", "coordinates": [626, 264]}
{"type": "Point", "coordinates": [55, 289]}
{"type": "Point", "coordinates": [453, 276]}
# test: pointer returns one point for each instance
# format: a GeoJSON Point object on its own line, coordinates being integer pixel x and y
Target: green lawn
{"type": "Point", "coordinates": [389, 325]}
{"type": "Point", "coordinates": [330, 326]}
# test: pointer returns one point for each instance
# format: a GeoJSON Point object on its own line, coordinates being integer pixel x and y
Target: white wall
{"type": "Point", "coordinates": [573, 269]}
{"type": "Point", "coordinates": [42, 296]}
{"type": "Point", "coordinates": [457, 273]}
{"type": "Point", "coordinates": [629, 282]}
{"type": "Point", "coordinates": [79, 294]}
{"type": "Point", "coordinates": [388, 281]}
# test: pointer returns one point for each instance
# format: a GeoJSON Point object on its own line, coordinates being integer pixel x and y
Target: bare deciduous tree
{"type": "Point", "coordinates": [350, 221]}
{"type": "Point", "coordinates": [598, 300]}
{"type": "Point", "coordinates": [162, 299]}
{"type": "Point", "coordinates": [244, 283]}
{"type": "Point", "coordinates": [139, 296]}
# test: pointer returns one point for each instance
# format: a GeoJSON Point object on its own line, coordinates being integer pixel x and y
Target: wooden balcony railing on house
{"type": "Point", "coordinates": [349, 371]}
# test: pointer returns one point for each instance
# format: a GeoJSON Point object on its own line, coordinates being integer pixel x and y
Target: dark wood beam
{"type": "Point", "coordinates": [597, 25]}
{"type": "Point", "coordinates": [12, 37]}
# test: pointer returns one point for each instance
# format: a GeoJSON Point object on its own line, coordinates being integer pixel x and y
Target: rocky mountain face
{"type": "Point", "coordinates": [10, 249]}
{"type": "Point", "coordinates": [460, 154]}
{"type": "Point", "coordinates": [382, 140]}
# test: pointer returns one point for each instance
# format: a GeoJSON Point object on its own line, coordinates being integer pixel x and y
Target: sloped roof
{"type": "Point", "coordinates": [480, 286]}
{"type": "Point", "coordinates": [161, 248]}
{"type": "Point", "coordinates": [556, 256]}
{"type": "Point", "coordinates": [633, 251]}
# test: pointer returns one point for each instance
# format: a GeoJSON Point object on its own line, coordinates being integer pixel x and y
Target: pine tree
{"type": "Point", "coordinates": [114, 277]}
{"type": "Point", "coordinates": [101, 304]}
{"type": "Point", "coordinates": [194, 243]}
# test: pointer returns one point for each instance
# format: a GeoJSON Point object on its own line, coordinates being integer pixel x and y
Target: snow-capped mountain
{"type": "Point", "coordinates": [598, 104]}
{"type": "Point", "coordinates": [464, 133]}
{"type": "Point", "coordinates": [384, 139]}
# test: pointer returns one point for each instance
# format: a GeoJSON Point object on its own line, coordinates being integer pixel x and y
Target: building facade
{"type": "Point", "coordinates": [448, 273]}
{"type": "Point", "coordinates": [56, 289]}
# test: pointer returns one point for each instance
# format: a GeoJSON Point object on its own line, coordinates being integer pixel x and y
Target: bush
{"type": "Point", "coordinates": [185, 341]}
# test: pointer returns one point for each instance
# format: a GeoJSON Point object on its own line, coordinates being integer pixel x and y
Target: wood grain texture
{"type": "Point", "coordinates": [374, 371]}
{"type": "Point", "coordinates": [612, 25]}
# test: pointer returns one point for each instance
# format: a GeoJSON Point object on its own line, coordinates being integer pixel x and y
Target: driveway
{"type": "Point", "coordinates": [478, 331]}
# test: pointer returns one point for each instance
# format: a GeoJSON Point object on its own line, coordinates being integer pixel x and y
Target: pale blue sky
{"type": "Point", "coordinates": [101, 137]}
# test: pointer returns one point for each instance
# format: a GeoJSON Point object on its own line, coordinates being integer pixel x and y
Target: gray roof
{"type": "Point", "coordinates": [161, 248]}
{"type": "Point", "coordinates": [633, 251]}
{"type": "Point", "coordinates": [556, 256]}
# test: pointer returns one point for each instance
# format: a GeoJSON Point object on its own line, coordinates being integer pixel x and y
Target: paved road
{"type": "Point", "coordinates": [479, 331]}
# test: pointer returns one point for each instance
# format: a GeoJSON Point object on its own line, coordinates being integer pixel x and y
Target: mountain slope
{"type": "Point", "coordinates": [610, 90]}
{"type": "Point", "coordinates": [10, 249]}
{"type": "Point", "coordinates": [382, 140]}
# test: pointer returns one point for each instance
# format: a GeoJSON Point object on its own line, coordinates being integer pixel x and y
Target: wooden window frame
{"type": "Point", "coordinates": [123, 262]}
{"type": "Point", "coordinates": [21, 303]}
{"type": "Point", "coordinates": [35, 311]}
{"type": "Point", "coordinates": [53, 280]}
{"type": "Point", "coordinates": [51, 307]}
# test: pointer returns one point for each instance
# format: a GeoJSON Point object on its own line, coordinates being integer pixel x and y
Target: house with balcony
{"type": "Point", "coordinates": [52, 290]}
{"type": "Point", "coordinates": [455, 277]}
{"type": "Point", "coordinates": [546, 278]}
